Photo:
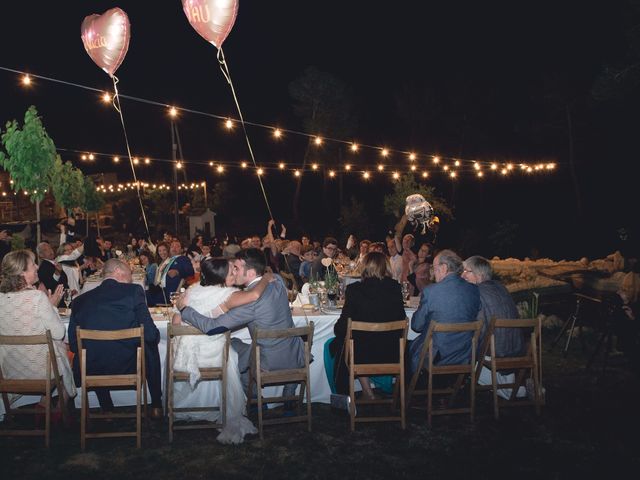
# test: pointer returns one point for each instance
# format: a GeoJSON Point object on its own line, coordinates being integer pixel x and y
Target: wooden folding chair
{"type": "Point", "coordinates": [463, 371]}
{"type": "Point", "coordinates": [530, 361]}
{"type": "Point", "coordinates": [39, 386]}
{"type": "Point", "coordinates": [366, 369]}
{"type": "Point", "coordinates": [206, 374]}
{"type": "Point", "coordinates": [263, 378]}
{"type": "Point", "coordinates": [135, 380]}
{"type": "Point", "coordinates": [290, 281]}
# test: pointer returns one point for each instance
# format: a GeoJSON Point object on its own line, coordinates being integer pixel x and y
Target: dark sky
{"type": "Point", "coordinates": [485, 65]}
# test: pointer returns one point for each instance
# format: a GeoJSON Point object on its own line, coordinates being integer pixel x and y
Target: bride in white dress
{"type": "Point", "coordinates": [212, 297]}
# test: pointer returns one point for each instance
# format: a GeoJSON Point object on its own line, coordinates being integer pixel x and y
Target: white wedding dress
{"type": "Point", "coordinates": [193, 352]}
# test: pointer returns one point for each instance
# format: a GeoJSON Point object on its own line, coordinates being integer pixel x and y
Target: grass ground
{"type": "Point", "coordinates": [589, 428]}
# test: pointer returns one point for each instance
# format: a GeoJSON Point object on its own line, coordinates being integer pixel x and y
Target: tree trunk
{"type": "Point", "coordinates": [98, 222]}
{"type": "Point", "coordinates": [572, 166]}
{"type": "Point", "coordinates": [38, 229]}
{"type": "Point", "coordinates": [86, 223]}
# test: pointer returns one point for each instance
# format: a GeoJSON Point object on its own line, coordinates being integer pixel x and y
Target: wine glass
{"type": "Point", "coordinates": [406, 292]}
{"type": "Point", "coordinates": [67, 297]}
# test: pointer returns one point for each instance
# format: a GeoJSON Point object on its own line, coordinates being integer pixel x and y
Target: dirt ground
{"type": "Point", "coordinates": [588, 428]}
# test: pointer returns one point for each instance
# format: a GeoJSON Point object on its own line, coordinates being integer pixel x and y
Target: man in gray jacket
{"type": "Point", "coordinates": [270, 312]}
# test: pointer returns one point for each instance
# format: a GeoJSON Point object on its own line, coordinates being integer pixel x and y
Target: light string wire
{"type": "Point", "coordinates": [256, 124]}
{"type": "Point", "coordinates": [117, 106]}
{"type": "Point", "coordinates": [227, 75]}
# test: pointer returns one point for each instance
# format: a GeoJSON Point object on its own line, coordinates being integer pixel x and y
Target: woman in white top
{"type": "Point", "coordinates": [212, 297]}
{"type": "Point", "coordinates": [25, 310]}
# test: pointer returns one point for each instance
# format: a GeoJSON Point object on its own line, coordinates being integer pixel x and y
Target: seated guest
{"type": "Point", "coordinates": [290, 260]}
{"type": "Point", "coordinates": [376, 247]}
{"type": "Point", "coordinates": [25, 310]}
{"type": "Point", "coordinates": [50, 273]}
{"type": "Point", "coordinates": [362, 252]}
{"type": "Point", "coordinates": [495, 302]}
{"type": "Point", "coordinates": [395, 260]}
{"type": "Point", "coordinates": [67, 258]}
{"type": "Point", "coordinates": [450, 300]}
{"type": "Point", "coordinates": [148, 262]}
{"type": "Point", "coordinates": [329, 250]}
{"type": "Point", "coordinates": [421, 276]}
{"type": "Point", "coordinates": [308, 257]}
{"type": "Point", "coordinates": [116, 304]}
{"type": "Point", "coordinates": [174, 268]}
{"type": "Point", "coordinates": [105, 246]}
{"type": "Point", "coordinates": [377, 298]}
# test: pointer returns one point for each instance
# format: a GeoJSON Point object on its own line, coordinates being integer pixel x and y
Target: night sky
{"type": "Point", "coordinates": [486, 81]}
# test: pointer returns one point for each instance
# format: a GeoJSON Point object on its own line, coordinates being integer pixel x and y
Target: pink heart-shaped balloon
{"type": "Point", "coordinates": [212, 19]}
{"type": "Point", "coordinates": [106, 38]}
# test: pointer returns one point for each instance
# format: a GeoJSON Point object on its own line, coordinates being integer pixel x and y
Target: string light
{"type": "Point", "coordinates": [147, 161]}
{"type": "Point", "coordinates": [332, 173]}
{"type": "Point", "coordinates": [480, 174]}
{"type": "Point", "coordinates": [453, 174]}
{"type": "Point", "coordinates": [136, 161]}
{"type": "Point", "coordinates": [116, 159]}
{"type": "Point", "coordinates": [413, 168]}
{"type": "Point", "coordinates": [211, 164]}
{"type": "Point", "coordinates": [260, 171]}
{"type": "Point", "coordinates": [366, 175]}
{"type": "Point", "coordinates": [220, 169]}
{"type": "Point", "coordinates": [445, 168]}
{"type": "Point", "coordinates": [91, 156]}
{"type": "Point", "coordinates": [425, 174]}
{"type": "Point", "coordinates": [243, 165]}
{"type": "Point", "coordinates": [347, 167]}
{"type": "Point", "coordinates": [494, 166]}
{"type": "Point", "coordinates": [179, 165]}
{"type": "Point", "coordinates": [380, 168]}
{"type": "Point", "coordinates": [83, 157]}
{"type": "Point", "coordinates": [314, 166]}
{"type": "Point", "coordinates": [281, 166]}
{"type": "Point", "coordinates": [395, 175]}
{"type": "Point", "coordinates": [296, 173]}
{"type": "Point", "coordinates": [27, 80]}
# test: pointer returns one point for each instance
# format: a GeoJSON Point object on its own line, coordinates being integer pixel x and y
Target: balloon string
{"type": "Point", "coordinates": [116, 105]}
{"type": "Point", "coordinates": [227, 75]}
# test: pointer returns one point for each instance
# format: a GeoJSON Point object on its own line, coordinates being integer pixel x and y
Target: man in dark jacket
{"type": "Point", "coordinates": [116, 304]}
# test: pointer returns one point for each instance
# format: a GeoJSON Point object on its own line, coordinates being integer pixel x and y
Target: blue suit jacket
{"type": "Point", "coordinates": [452, 300]}
{"type": "Point", "coordinates": [110, 306]}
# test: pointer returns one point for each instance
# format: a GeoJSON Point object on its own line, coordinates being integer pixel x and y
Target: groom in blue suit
{"type": "Point", "coordinates": [116, 304]}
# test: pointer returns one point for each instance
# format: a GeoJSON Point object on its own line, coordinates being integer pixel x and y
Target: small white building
{"type": "Point", "coordinates": [205, 224]}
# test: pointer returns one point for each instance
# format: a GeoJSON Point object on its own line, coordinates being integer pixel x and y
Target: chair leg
{"type": "Point", "coordinates": [308, 385]}
{"type": "Point", "coordinates": [352, 403]}
{"type": "Point", "coordinates": [138, 413]}
{"type": "Point", "coordinates": [494, 382]}
{"type": "Point", "coordinates": [472, 388]}
{"type": "Point", "coordinates": [47, 420]}
{"type": "Point", "coordinates": [429, 397]}
{"type": "Point", "coordinates": [403, 411]}
{"type": "Point", "coordinates": [169, 396]}
{"type": "Point", "coordinates": [83, 418]}
{"type": "Point", "coordinates": [259, 395]}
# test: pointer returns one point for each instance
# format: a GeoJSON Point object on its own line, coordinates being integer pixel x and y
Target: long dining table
{"type": "Point", "coordinates": [206, 391]}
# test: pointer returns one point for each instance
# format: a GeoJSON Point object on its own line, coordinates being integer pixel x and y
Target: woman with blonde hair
{"type": "Point", "coordinates": [376, 298]}
{"type": "Point", "coordinates": [26, 310]}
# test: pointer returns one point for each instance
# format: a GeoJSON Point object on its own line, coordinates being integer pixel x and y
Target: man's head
{"type": "Point", "coordinates": [447, 262]}
{"type": "Point", "coordinates": [376, 247]}
{"type": "Point", "coordinates": [45, 251]}
{"type": "Point", "coordinates": [107, 244]}
{"type": "Point", "coordinates": [476, 269]}
{"type": "Point", "coordinates": [364, 246]}
{"type": "Point", "coordinates": [206, 249]}
{"type": "Point", "coordinates": [255, 242]}
{"type": "Point", "coordinates": [391, 246]}
{"type": "Point", "coordinates": [330, 247]}
{"type": "Point", "coordinates": [407, 241]}
{"type": "Point", "coordinates": [305, 240]}
{"type": "Point", "coordinates": [249, 264]}
{"type": "Point", "coordinates": [175, 248]}
{"type": "Point", "coordinates": [308, 253]}
{"type": "Point", "coordinates": [117, 270]}
{"type": "Point", "coordinates": [294, 248]}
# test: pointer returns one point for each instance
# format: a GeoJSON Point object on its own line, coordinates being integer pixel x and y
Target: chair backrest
{"type": "Point", "coordinates": [179, 330]}
{"type": "Point", "coordinates": [290, 281]}
{"type": "Point", "coordinates": [109, 335]}
{"type": "Point", "coordinates": [532, 324]}
{"type": "Point", "coordinates": [436, 327]}
{"type": "Point", "coordinates": [306, 333]}
{"type": "Point", "coordinates": [44, 339]}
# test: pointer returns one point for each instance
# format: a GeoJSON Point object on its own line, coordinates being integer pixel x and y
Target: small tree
{"type": "Point", "coordinates": [395, 202]}
{"type": "Point", "coordinates": [354, 219]}
{"type": "Point", "coordinates": [68, 185]}
{"type": "Point", "coordinates": [30, 158]}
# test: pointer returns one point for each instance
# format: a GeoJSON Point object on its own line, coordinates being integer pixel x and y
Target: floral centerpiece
{"type": "Point", "coordinates": [331, 280]}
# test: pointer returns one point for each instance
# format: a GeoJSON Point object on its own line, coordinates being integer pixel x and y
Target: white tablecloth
{"type": "Point", "coordinates": [206, 391]}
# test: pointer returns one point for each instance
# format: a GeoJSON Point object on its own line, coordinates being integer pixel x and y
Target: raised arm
{"type": "Point", "coordinates": [399, 228]}
{"type": "Point", "coordinates": [239, 298]}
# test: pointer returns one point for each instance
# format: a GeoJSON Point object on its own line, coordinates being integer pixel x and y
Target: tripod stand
{"type": "Point", "coordinates": [571, 322]}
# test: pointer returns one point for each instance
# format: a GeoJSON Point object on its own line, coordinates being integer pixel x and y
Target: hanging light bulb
{"type": "Point", "coordinates": [173, 112]}
{"type": "Point", "coordinates": [228, 124]}
{"type": "Point", "coordinates": [179, 165]}
{"type": "Point", "coordinates": [116, 159]}
{"type": "Point", "coordinates": [277, 133]}
{"type": "Point", "coordinates": [332, 173]}
{"type": "Point", "coordinates": [26, 80]}
{"type": "Point", "coordinates": [354, 147]}
{"type": "Point", "coordinates": [281, 166]}
{"type": "Point", "coordinates": [318, 141]}
{"type": "Point", "coordinates": [385, 152]}
{"type": "Point", "coordinates": [106, 97]}
{"type": "Point", "coordinates": [412, 156]}
{"type": "Point", "coordinates": [314, 166]}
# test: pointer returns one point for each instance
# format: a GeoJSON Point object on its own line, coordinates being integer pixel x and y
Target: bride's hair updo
{"type": "Point", "coordinates": [214, 271]}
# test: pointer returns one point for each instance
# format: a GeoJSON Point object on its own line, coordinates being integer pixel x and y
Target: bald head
{"type": "Point", "coordinates": [117, 270]}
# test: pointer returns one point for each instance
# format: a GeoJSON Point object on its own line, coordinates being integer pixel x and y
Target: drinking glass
{"type": "Point", "coordinates": [67, 297]}
{"type": "Point", "coordinates": [406, 292]}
